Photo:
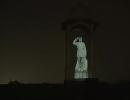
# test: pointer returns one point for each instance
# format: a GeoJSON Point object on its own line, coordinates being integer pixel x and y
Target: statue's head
{"type": "Point", "coordinates": [80, 39]}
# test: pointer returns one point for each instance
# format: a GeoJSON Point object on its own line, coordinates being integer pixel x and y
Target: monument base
{"type": "Point", "coordinates": [82, 82]}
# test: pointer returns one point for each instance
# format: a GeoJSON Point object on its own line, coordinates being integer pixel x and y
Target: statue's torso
{"type": "Point", "coordinates": [81, 49]}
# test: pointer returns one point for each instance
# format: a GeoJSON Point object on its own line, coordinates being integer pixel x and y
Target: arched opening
{"type": "Point", "coordinates": [78, 48]}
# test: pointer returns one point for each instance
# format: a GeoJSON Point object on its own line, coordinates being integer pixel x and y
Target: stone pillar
{"type": "Point", "coordinates": [75, 28]}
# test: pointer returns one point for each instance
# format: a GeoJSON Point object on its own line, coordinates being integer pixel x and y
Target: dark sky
{"type": "Point", "coordinates": [33, 44]}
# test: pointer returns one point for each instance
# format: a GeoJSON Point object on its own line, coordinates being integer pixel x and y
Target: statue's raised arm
{"type": "Point", "coordinates": [75, 41]}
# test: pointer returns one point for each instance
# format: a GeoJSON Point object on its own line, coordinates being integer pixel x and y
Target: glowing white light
{"type": "Point", "coordinates": [82, 63]}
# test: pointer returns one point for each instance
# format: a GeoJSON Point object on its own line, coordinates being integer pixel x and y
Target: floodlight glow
{"type": "Point", "coordinates": [81, 71]}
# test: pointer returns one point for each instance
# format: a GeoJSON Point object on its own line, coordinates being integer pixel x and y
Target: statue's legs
{"type": "Point", "coordinates": [81, 68]}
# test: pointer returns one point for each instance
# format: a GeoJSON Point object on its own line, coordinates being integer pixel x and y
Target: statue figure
{"type": "Point", "coordinates": [82, 64]}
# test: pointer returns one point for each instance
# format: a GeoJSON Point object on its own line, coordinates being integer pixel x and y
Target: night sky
{"type": "Point", "coordinates": [32, 43]}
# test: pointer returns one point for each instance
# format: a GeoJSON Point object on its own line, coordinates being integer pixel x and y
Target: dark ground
{"type": "Point", "coordinates": [86, 90]}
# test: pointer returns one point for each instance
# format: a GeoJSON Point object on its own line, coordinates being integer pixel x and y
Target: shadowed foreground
{"type": "Point", "coordinates": [77, 90]}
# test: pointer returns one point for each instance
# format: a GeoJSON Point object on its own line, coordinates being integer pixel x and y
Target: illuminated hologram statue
{"type": "Point", "coordinates": [81, 71]}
